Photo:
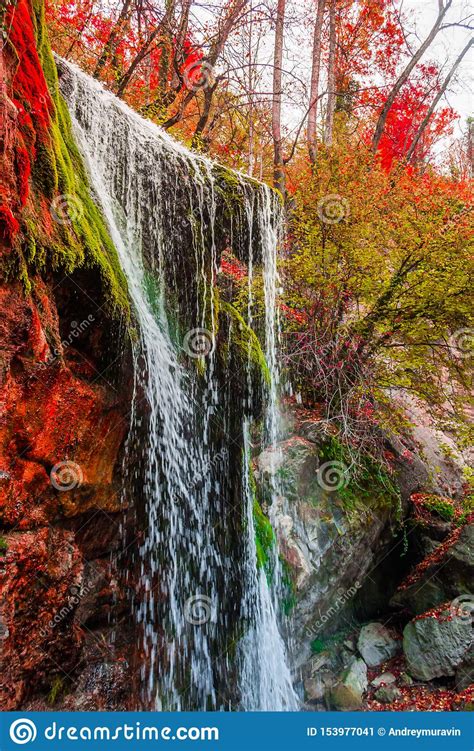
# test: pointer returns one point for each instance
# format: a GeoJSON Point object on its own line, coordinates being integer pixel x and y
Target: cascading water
{"type": "Point", "coordinates": [210, 629]}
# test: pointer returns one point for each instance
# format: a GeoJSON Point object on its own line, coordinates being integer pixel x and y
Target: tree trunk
{"type": "Point", "coordinates": [278, 169]}
{"type": "Point", "coordinates": [225, 28]}
{"type": "Point", "coordinates": [114, 37]}
{"type": "Point", "coordinates": [331, 105]}
{"type": "Point", "coordinates": [313, 95]}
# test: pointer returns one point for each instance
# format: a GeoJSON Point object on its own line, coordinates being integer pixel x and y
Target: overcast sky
{"type": "Point", "coordinates": [446, 48]}
{"type": "Point", "coordinates": [420, 15]}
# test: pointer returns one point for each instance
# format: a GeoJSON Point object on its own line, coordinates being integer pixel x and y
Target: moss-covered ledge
{"type": "Point", "coordinates": [56, 227]}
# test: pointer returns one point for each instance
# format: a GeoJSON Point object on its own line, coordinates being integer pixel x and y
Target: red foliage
{"type": "Point", "coordinates": [23, 170]}
{"type": "Point", "coordinates": [232, 267]}
{"type": "Point", "coordinates": [419, 697]}
{"type": "Point", "coordinates": [81, 30]}
{"type": "Point", "coordinates": [405, 116]}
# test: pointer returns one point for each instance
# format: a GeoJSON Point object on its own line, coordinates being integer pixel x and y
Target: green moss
{"type": "Point", "coordinates": [443, 507]}
{"type": "Point", "coordinates": [264, 536]}
{"type": "Point", "coordinates": [246, 341]}
{"type": "Point", "coordinates": [3, 546]}
{"type": "Point", "coordinates": [59, 175]}
{"type": "Point", "coordinates": [57, 688]}
{"type": "Point", "coordinates": [369, 483]}
{"type": "Point", "coordinates": [319, 644]}
{"type": "Point", "coordinates": [289, 588]}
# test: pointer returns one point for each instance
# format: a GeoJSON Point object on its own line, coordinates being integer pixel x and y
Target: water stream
{"type": "Point", "coordinates": [206, 613]}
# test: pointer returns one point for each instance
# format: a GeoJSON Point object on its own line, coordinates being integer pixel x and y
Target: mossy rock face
{"type": "Point", "coordinates": [245, 342]}
{"type": "Point", "coordinates": [240, 361]}
{"type": "Point", "coordinates": [61, 227]}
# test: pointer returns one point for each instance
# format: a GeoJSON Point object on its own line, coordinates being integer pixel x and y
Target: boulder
{"type": "Point", "coordinates": [388, 694]}
{"type": "Point", "coordinates": [376, 644]}
{"type": "Point", "coordinates": [438, 643]}
{"type": "Point", "coordinates": [348, 693]}
{"type": "Point", "coordinates": [383, 680]}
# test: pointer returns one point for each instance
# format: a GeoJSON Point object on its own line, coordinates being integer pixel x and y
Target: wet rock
{"type": "Point", "coordinates": [317, 686]}
{"type": "Point", "coordinates": [405, 680]}
{"type": "Point", "coordinates": [376, 644]}
{"type": "Point", "coordinates": [348, 692]}
{"type": "Point", "coordinates": [437, 644]}
{"type": "Point", "coordinates": [60, 446]}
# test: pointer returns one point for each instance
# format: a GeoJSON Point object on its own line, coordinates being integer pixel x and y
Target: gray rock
{"type": "Point", "coordinates": [376, 644]}
{"type": "Point", "coordinates": [317, 686]}
{"type": "Point", "coordinates": [437, 646]}
{"type": "Point", "coordinates": [385, 678]}
{"type": "Point", "coordinates": [405, 680]}
{"type": "Point", "coordinates": [329, 549]}
{"type": "Point", "coordinates": [388, 694]}
{"type": "Point", "coordinates": [450, 577]}
{"type": "Point", "coordinates": [348, 693]}
{"type": "Point", "coordinates": [465, 672]}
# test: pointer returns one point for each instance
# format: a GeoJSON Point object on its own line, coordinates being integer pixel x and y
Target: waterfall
{"type": "Point", "coordinates": [209, 628]}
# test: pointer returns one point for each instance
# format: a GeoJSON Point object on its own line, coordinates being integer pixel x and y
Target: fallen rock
{"type": "Point", "coordinates": [438, 642]}
{"type": "Point", "coordinates": [388, 694]}
{"type": "Point", "coordinates": [347, 694]}
{"type": "Point", "coordinates": [383, 679]}
{"type": "Point", "coordinates": [376, 644]}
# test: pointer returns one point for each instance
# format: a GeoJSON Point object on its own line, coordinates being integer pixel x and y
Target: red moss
{"type": "Point", "coordinates": [23, 170]}
{"type": "Point", "coordinates": [27, 110]}
{"type": "Point", "coordinates": [8, 224]}
{"type": "Point", "coordinates": [29, 83]}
